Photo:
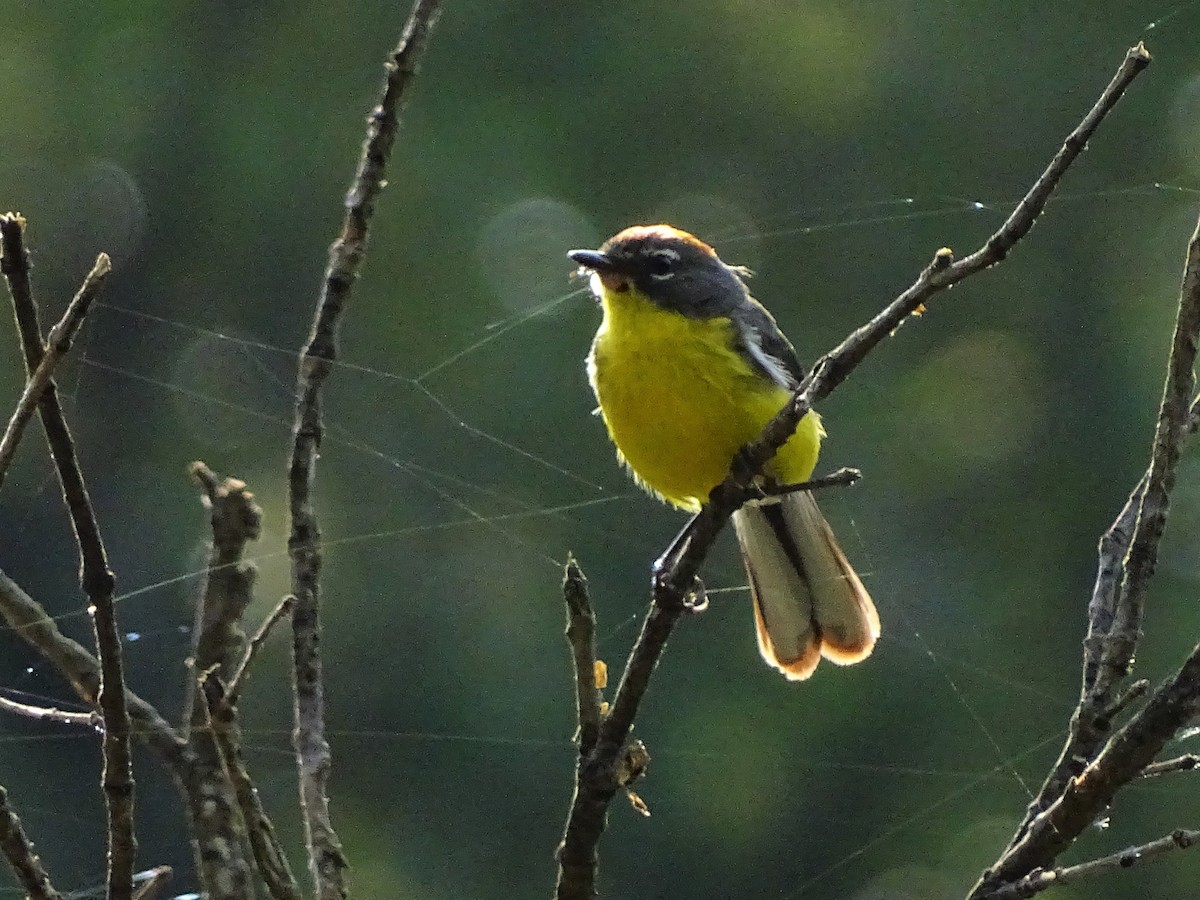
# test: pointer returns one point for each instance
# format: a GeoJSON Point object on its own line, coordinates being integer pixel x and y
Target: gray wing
{"type": "Point", "coordinates": [765, 346]}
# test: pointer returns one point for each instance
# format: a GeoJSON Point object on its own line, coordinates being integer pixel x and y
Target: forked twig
{"type": "Point", "coordinates": [57, 345]}
{"type": "Point", "coordinates": [95, 577]}
{"type": "Point", "coordinates": [1044, 879]}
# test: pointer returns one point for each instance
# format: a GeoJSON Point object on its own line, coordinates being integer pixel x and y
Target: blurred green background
{"type": "Point", "coordinates": [831, 145]}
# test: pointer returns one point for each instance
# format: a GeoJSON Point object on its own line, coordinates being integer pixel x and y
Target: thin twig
{"type": "Point", "coordinates": [1125, 699]}
{"type": "Point", "coordinates": [57, 345]}
{"type": "Point", "coordinates": [95, 577]}
{"type": "Point", "coordinates": [1042, 879]}
{"type": "Point", "coordinates": [1105, 662]}
{"type": "Point", "coordinates": [1185, 763]}
{"type": "Point", "coordinates": [843, 477]}
{"type": "Point", "coordinates": [18, 850]}
{"type": "Point", "coordinates": [282, 609]}
{"type": "Point", "coordinates": [327, 862]}
{"type": "Point", "coordinates": [1050, 830]}
{"type": "Point", "coordinates": [51, 714]}
{"type": "Point", "coordinates": [676, 573]}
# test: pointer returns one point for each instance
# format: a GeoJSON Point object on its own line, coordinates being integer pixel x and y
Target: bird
{"type": "Point", "coordinates": [687, 368]}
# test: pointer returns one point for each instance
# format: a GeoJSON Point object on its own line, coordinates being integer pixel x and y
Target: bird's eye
{"type": "Point", "coordinates": [661, 264]}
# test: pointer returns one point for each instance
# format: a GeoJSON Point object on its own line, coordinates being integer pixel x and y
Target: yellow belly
{"type": "Point", "coordinates": [679, 401]}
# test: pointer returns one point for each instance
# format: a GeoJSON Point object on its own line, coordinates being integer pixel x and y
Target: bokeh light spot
{"type": "Point", "coordinates": [976, 402]}
{"type": "Point", "coordinates": [522, 250]}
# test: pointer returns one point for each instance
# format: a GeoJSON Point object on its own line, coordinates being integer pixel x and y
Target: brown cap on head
{"type": "Point", "coordinates": [660, 234]}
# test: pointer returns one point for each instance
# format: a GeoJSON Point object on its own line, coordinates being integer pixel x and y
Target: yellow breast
{"type": "Point", "coordinates": [679, 400]}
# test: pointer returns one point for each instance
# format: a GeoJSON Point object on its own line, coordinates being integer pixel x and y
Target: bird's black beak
{"type": "Point", "coordinates": [605, 267]}
{"type": "Point", "coordinates": [592, 259]}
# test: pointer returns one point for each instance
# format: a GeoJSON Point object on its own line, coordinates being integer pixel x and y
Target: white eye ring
{"type": "Point", "coordinates": [670, 257]}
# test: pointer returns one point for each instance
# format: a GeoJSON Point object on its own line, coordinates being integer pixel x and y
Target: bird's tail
{"type": "Point", "coordinates": [808, 601]}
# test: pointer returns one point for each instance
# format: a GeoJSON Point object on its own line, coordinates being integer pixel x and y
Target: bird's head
{"type": "Point", "coordinates": [666, 265]}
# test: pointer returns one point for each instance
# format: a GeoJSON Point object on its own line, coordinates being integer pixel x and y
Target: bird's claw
{"type": "Point", "coordinates": [695, 599]}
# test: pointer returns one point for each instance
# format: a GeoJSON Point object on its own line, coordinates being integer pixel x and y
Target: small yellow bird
{"type": "Point", "coordinates": [688, 368]}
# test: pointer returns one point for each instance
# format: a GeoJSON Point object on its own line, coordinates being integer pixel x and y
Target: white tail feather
{"type": "Point", "coordinates": [808, 601]}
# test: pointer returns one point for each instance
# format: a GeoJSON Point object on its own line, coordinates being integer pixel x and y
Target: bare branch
{"type": "Point", "coordinates": [1089, 725]}
{"type": "Point", "coordinates": [269, 855]}
{"type": "Point", "coordinates": [581, 636]}
{"type": "Point", "coordinates": [197, 784]}
{"type": "Point", "coordinates": [220, 830]}
{"type": "Point", "coordinates": [1041, 879]}
{"type": "Point", "coordinates": [576, 873]}
{"type": "Point", "coordinates": [235, 823]}
{"type": "Point", "coordinates": [1129, 753]}
{"type": "Point", "coordinates": [843, 477]}
{"type": "Point", "coordinates": [28, 619]}
{"type": "Point", "coordinates": [1131, 695]}
{"type": "Point", "coordinates": [282, 609]}
{"type": "Point", "coordinates": [95, 577]}
{"type": "Point", "coordinates": [57, 346]}
{"type": "Point", "coordinates": [1052, 828]}
{"type": "Point", "coordinates": [313, 759]}
{"type": "Point", "coordinates": [51, 714]}
{"type": "Point", "coordinates": [1185, 763]}
{"type": "Point", "coordinates": [943, 272]}
{"type": "Point", "coordinates": [18, 850]}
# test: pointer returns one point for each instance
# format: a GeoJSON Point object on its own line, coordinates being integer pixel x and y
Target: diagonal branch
{"type": "Point", "coordinates": [95, 577]}
{"type": "Point", "coordinates": [30, 622]}
{"type": "Point", "coordinates": [313, 759]}
{"type": "Point", "coordinates": [51, 714]}
{"type": "Point", "coordinates": [1085, 798]}
{"type": "Point", "coordinates": [676, 572]}
{"type": "Point", "coordinates": [1081, 784]}
{"type": "Point", "coordinates": [1186, 763]}
{"type": "Point", "coordinates": [57, 345]}
{"type": "Point", "coordinates": [282, 609]}
{"type": "Point", "coordinates": [1044, 879]}
{"type": "Point", "coordinates": [18, 851]}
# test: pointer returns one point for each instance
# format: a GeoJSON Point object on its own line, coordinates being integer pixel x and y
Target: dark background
{"type": "Point", "coordinates": [206, 148]}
